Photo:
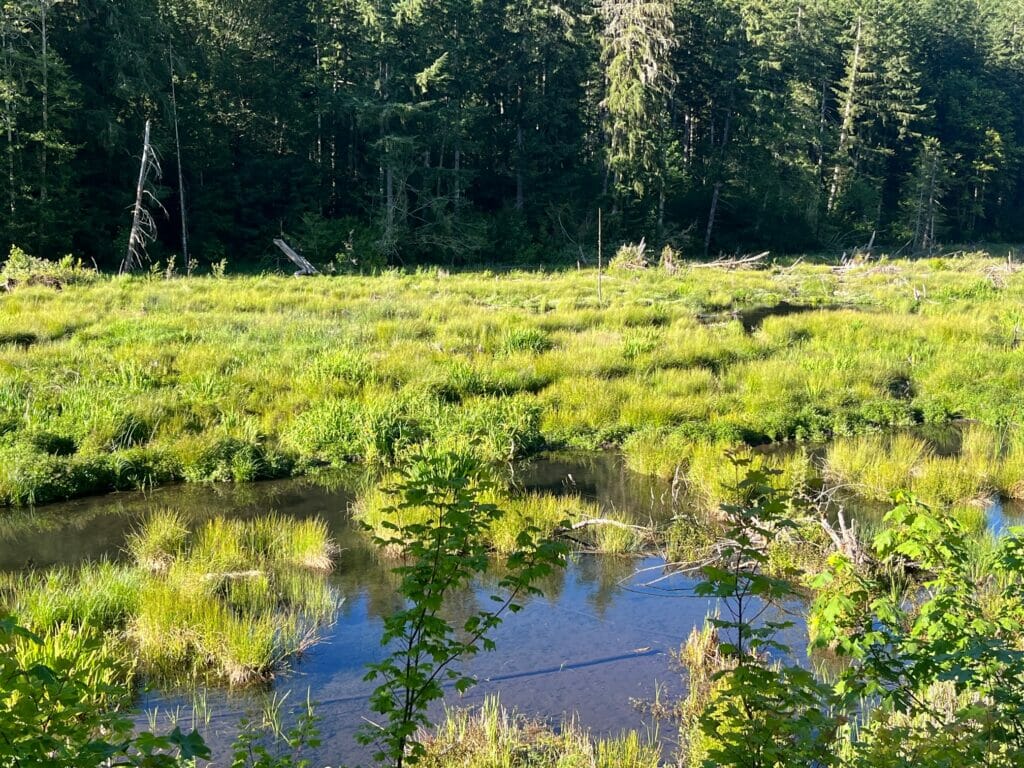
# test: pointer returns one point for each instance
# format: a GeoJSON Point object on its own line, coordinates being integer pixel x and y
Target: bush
{"type": "Point", "coordinates": [22, 269]}
{"type": "Point", "coordinates": [61, 703]}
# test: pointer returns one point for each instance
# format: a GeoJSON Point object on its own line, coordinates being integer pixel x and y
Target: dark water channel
{"type": "Point", "coordinates": [599, 639]}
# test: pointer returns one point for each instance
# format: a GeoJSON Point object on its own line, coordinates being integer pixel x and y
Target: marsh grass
{"type": "Point", "coordinates": [104, 595]}
{"type": "Point", "coordinates": [494, 736]}
{"type": "Point", "coordinates": [98, 660]}
{"type": "Point", "coordinates": [702, 662]}
{"type": "Point", "coordinates": [245, 378]}
{"type": "Point", "coordinates": [714, 478]}
{"type": "Point", "coordinates": [541, 513]}
{"type": "Point", "coordinates": [159, 541]}
{"type": "Point", "coordinates": [230, 603]}
{"type": "Point", "coordinates": [987, 463]}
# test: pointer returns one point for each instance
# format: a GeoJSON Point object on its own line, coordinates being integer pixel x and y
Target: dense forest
{"type": "Point", "coordinates": [462, 131]}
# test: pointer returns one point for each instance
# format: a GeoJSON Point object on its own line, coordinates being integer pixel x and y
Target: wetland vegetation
{"type": "Point", "coordinates": [773, 448]}
{"type": "Point", "coordinates": [134, 382]}
{"type": "Point", "coordinates": [554, 382]}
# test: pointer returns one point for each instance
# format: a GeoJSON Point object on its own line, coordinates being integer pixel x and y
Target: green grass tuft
{"type": "Point", "coordinates": [230, 603]}
{"type": "Point", "coordinates": [494, 736]}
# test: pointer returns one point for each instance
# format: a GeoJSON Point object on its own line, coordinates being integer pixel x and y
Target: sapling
{"type": "Point", "coordinates": [761, 712]}
{"type": "Point", "coordinates": [443, 554]}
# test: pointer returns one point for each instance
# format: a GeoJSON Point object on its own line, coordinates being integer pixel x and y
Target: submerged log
{"type": "Point", "coordinates": [305, 268]}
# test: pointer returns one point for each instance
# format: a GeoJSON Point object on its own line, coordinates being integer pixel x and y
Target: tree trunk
{"type": "Point", "coordinates": [389, 201]}
{"type": "Point", "coordinates": [929, 234]}
{"type": "Point", "coordinates": [9, 119]}
{"type": "Point", "coordinates": [711, 218]}
{"type": "Point", "coordinates": [661, 212]}
{"type": "Point", "coordinates": [43, 158]}
{"type": "Point", "coordinates": [177, 151]}
{"type": "Point", "coordinates": [846, 129]}
{"type": "Point", "coordinates": [822, 125]}
{"type": "Point", "coordinates": [457, 167]}
{"type": "Point", "coordinates": [519, 167]}
{"type": "Point", "coordinates": [141, 221]}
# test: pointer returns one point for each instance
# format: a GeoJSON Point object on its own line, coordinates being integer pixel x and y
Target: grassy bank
{"type": "Point", "coordinates": [128, 382]}
{"type": "Point", "coordinates": [230, 602]}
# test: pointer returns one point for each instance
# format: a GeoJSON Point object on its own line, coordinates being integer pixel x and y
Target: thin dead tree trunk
{"type": "Point", "coordinates": [600, 261]}
{"type": "Point", "coordinates": [143, 226]}
{"type": "Point", "coordinates": [932, 180]}
{"type": "Point", "coordinates": [43, 155]}
{"type": "Point", "coordinates": [919, 235]}
{"type": "Point", "coordinates": [822, 125]}
{"type": "Point", "coordinates": [9, 119]}
{"type": "Point", "coordinates": [177, 150]}
{"type": "Point", "coordinates": [46, 99]}
{"type": "Point", "coordinates": [457, 168]}
{"type": "Point", "coordinates": [717, 192]}
{"type": "Point", "coordinates": [520, 145]}
{"type": "Point", "coordinates": [711, 218]}
{"type": "Point", "coordinates": [519, 168]}
{"type": "Point", "coordinates": [661, 211]}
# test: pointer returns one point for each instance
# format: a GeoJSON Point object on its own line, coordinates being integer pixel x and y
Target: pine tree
{"type": "Point", "coordinates": [637, 44]}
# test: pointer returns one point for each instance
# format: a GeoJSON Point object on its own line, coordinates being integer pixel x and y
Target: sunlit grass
{"type": "Point", "coordinates": [494, 736]}
{"type": "Point", "coordinates": [229, 603]}
{"type": "Point", "coordinates": [158, 542]}
{"type": "Point", "coordinates": [132, 382]}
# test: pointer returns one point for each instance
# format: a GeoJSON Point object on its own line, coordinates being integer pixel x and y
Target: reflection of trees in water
{"type": "Point", "coordinates": [602, 477]}
{"type": "Point", "coordinates": [606, 573]}
{"type": "Point", "coordinates": [362, 570]}
{"type": "Point", "coordinates": [551, 586]}
{"type": "Point", "coordinates": [90, 529]}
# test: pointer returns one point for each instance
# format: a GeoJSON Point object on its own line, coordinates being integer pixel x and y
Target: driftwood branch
{"type": "Point", "coordinates": [737, 263]}
{"type": "Point", "coordinates": [232, 575]}
{"type": "Point", "coordinates": [607, 521]}
{"type": "Point", "coordinates": [305, 268]}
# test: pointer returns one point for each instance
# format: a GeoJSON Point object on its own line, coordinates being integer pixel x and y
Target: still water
{"type": "Point", "coordinates": [598, 642]}
{"type": "Point", "coordinates": [594, 645]}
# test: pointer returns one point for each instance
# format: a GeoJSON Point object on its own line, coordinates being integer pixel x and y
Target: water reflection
{"type": "Point", "coordinates": [597, 639]}
{"type": "Point", "coordinates": [585, 648]}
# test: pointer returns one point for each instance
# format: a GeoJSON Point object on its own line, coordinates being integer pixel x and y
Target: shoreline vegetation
{"type": "Point", "coordinates": [124, 383]}
{"type": "Point", "coordinates": [229, 603]}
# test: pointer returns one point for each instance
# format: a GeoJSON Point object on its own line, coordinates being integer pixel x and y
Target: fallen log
{"type": "Point", "coordinates": [737, 263]}
{"type": "Point", "coordinates": [231, 575]}
{"type": "Point", "coordinates": [305, 268]}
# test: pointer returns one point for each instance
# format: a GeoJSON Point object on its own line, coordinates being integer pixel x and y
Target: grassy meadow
{"type": "Point", "coordinates": [117, 383]}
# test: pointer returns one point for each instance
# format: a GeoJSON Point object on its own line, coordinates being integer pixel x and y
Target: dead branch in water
{"type": "Point", "coordinates": [232, 575]}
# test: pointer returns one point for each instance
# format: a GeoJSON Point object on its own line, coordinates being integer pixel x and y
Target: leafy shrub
{"type": "Point", "coordinates": [22, 269]}
{"type": "Point", "coordinates": [445, 549]}
{"type": "Point", "coordinates": [62, 702]}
